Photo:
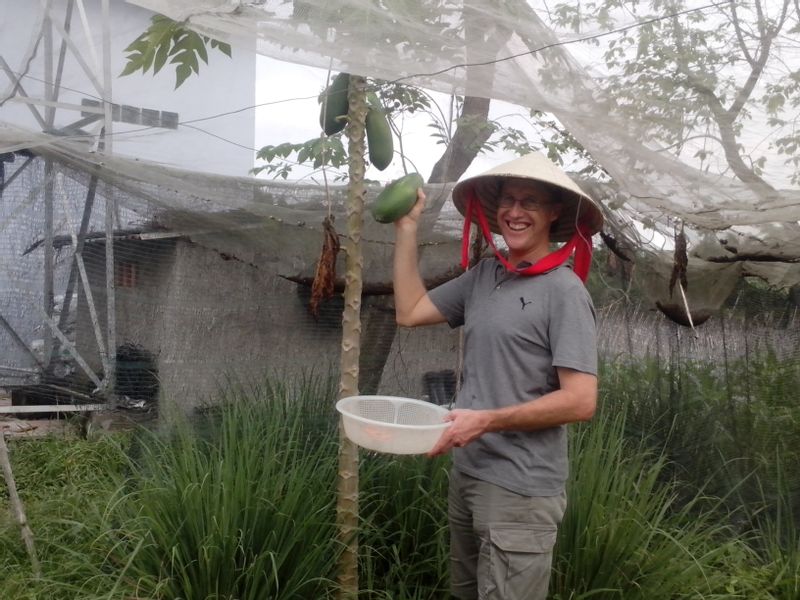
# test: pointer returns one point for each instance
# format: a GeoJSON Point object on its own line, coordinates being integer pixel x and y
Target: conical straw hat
{"type": "Point", "coordinates": [577, 207]}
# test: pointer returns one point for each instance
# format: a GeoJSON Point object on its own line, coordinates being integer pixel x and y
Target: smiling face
{"type": "Point", "coordinates": [525, 212]}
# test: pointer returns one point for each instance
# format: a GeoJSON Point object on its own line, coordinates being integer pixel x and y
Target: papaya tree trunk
{"type": "Point", "coordinates": [347, 483]}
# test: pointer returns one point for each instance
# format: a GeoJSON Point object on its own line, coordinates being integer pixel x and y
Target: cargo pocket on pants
{"type": "Point", "coordinates": [519, 563]}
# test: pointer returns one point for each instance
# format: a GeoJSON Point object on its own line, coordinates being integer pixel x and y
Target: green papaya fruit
{"type": "Point", "coordinates": [396, 199]}
{"type": "Point", "coordinates": [373, 101]}
{"type": "Point", "coordinates": [379, 139]}
{"type": "Point", "coordinates": [332, 118]}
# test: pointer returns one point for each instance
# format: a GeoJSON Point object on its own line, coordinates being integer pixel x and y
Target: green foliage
{"type": "Point", "coordinates": [732, 430]}
{"type": "Point", "coordinates": [667, 499]}
{"type": "Point", "coordinates": [239, 506]}
{"type": "Point", "coordinates": [398, 98]}
{"type": "Point", "coordinates": [778, 98]}
{"type": "Point", "coordinates": [167, 40]}
{"type": "Point", "coordinates": [66, 486]}
{"type": "Point", "coordinates": [755, 299]}
{"type": "Point", "coordinates": [319, 151]}
{"type": "Point", "coordinates": [404, 542]}
{"type": "Point", "coordinates": [558, 144]}
{"type": "Point", "coordinates": [690, 74]}
{"type": "Point", "coordinates": [623, 535]}
{"type": "Point", "coordinates": [45, 467]}
{"type": "Point", "coordinates": [775, 546]}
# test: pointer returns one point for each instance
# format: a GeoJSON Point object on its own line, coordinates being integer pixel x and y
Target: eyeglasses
{"type": "Point", "coordinates": [529, 203]}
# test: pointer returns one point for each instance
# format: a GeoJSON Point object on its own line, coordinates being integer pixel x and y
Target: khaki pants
{"type": "Point", "coordinates": [501, 543]}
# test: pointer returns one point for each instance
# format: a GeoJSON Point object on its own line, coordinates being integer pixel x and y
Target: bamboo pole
{"type": "Point", "coordinates": [17, 507]}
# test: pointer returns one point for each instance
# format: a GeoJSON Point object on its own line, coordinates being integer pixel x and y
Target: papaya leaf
{"type": "Point", "coordinates": [198, 43]}
{"type": "Point", "coordinates": [304, 154]}
{"type": "Point", "coordinates": [161, 57]}
{"type": "Point", "coordinates": [147, 58]}
{"type": "Point", "coordinates": [317, 152]}
{"type": "Point", "coordinates": [221, 46]}
{"type": "Point", "coordinates": [181, 40]}
{"type": "Point", "coordinates": [165, 39]}
{"type": "Point", "coordinates": [158, 32]}
{"type": "Point", "coordinates": [182, 72]}
{"type": "Point", "coordinates": [134, 64]}
{"type": "Point", "coordinates": [188, 59]}
{"type": "Point", "coordinates": [139, 45]}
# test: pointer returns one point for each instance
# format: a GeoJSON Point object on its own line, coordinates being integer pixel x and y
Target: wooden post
{"type": "Point", "coordinates": [17, 508]}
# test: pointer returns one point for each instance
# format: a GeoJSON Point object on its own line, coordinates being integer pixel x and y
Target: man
{"type": "Point", "coordinates": [530, 365]}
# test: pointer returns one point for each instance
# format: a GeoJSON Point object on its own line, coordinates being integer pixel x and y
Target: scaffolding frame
{"type": "Point", "coordinates": [96, 67]}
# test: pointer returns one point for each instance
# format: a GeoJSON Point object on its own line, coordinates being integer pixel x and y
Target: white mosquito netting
{"type": "Point", "coordinates": [677, 116]}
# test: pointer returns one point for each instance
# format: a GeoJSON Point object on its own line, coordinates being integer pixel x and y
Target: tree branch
{"type": "Point", "coordinates": [755, 74]}
{"type": "Point", "coordinates": [472, 133]}
{"type": "Point", "coordinates": [739, 35]}
{"type": "Point", "coordinates": [752, 258]}
{"type": "Point", "coordinates": [725, 118]}
{"type": "Point", "coordinates": [377, 288]}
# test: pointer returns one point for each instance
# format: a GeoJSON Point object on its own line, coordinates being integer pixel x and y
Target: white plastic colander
{"type": "Point", "coordinates": [392, 424]}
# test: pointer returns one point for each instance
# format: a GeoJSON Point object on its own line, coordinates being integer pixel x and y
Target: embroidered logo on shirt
{"type": "Point", "coordinates": [524, 303]}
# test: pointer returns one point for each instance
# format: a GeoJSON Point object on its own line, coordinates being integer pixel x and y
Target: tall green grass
{"type": "Point", "coordinates": [404, 538]}
{"type": "Point", "coordinates": [624, 535]}
{"type": "Point", "coordinates": [243, 511]}
{"type": "Point", "coordinates": [67, 487]}
{"type": "Point", "coordinates": [240, 503]}
{"type": "Point", "coordinates": [733, 432]}
{"type": "Point", "coordinates": [776, 541]}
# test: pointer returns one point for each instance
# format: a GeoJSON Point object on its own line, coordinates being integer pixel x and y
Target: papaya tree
{"type": "Point", "coordinates": [347, 486]}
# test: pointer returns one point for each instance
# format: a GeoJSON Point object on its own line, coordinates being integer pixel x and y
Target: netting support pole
{"type": "Point", "coordinates": [78, 244]}
{"type": "Point", "coordinates": [20, 342]}
{"type": "Point", "coordinates": [17, 507]}
{"type": "Point", "coordinates": [49, 117]}
{"type": "Point", "coordinates": [77, 250]}
{"type": "Point", "coordinates": [73, 351]}
{"type": "Point", "coordinates": [47, 287]}
{"type": "Point", "coordinates": [111, 209]}
{"type": "Point", "coordinates": [9, 180]}
{"type": "Point", "coordinates": [65, 305]}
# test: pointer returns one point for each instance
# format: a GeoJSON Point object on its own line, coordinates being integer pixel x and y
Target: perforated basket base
{"type": "Point", "coordinates": [392, 424]}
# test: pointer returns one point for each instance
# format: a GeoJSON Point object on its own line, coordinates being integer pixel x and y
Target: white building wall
{"type": "Point", "coordinates": [225, 146]}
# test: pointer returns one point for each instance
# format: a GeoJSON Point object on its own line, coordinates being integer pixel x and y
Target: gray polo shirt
{"type": "Point", "coordinates": [517, 330]}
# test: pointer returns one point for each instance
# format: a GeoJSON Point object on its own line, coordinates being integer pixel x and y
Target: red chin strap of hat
{"type": "Point", "coordinates": [580, 243]}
